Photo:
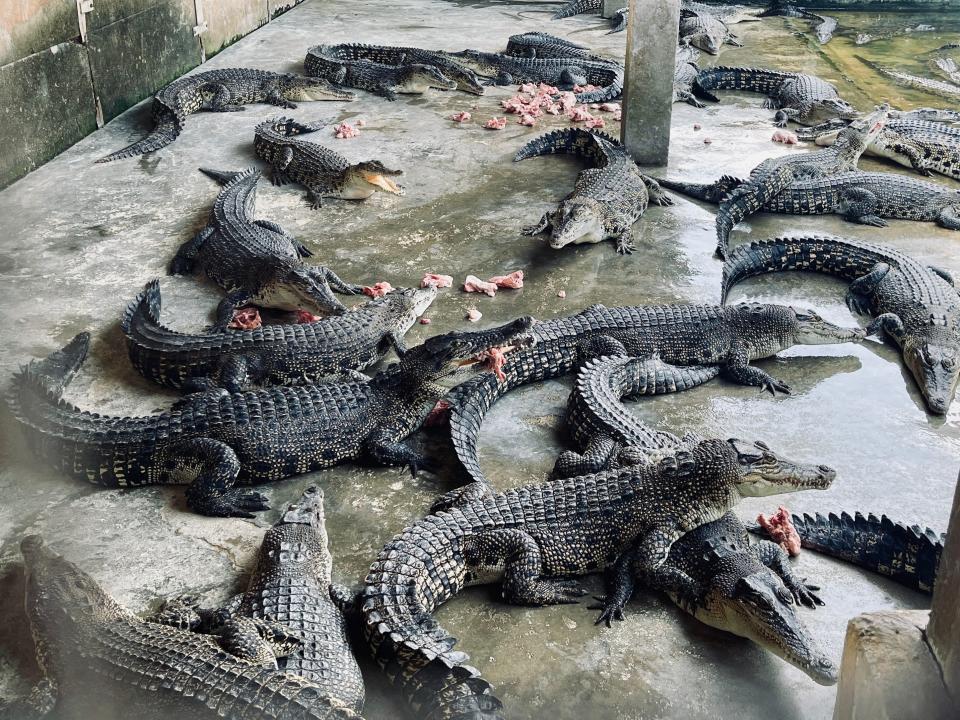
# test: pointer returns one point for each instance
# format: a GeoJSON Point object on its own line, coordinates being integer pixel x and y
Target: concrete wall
{"type": "Point", "coordinates": [68, 66]}
{"type": "Point", "coordinates": [944, 630]}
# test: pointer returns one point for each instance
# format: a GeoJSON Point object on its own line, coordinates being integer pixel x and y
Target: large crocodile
{"type": "Point", "coordinates": [213, 441]}
{"type": "Point", "coordinates": [681, 335]}
{"type": "Point", "coordinates": [909, 554]}
{"type": "Point", "coordinates": [773, 175]}
{"type": "Point", "coordinates": [608, 197]}
{"type": "Point", "coordinates": [256, 261]}
{"type": "Point", "coordinates": [916, 306]}
{"type": "Point", "coordinates": [466, 79]}
{"type": "Point", "coordinates": [934, 87]}
{"type": "Point", "coordinates": [279, 353]}
{"type": "Point", "coordinates": [536, 539]}
{"type": "Point", "coordinates": [805, 99]}
{"type": "Point", "coordinates": [866, 198]}
{"type": "Point", "coordinates": [91, 649]}
{"type": "Point", "coordinates": [561, 72]}
{"type": "Point", "coordinates": [324, 172]}
{"type": "Point", "coordinates": [389, 81]}
{"type": "Point", "coordinates": [224, 90]}
{"type": "Point", "coordinates": [823, 25]}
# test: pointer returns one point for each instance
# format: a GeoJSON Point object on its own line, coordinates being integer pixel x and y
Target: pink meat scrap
{"type": "Point", "coordinates": [513, 281]}
{"type": "Point", "coordinates": [493, 360]}
{"type": "Point", "coordinates": [461, 116]}
{"type": "Point", "coordinates": [786, 137]}
{"type": "Point", "coordinates": [473, 315]}
{"type": "Point", "coordinates": [495, 123]}
{"type": "Point", "coordinates": [473, 284]}
{"type": "Point", "coordinates": [566, 100]}
{"type": "Point", "coordinates": [247, 318]}
{"type": "Point", "coordinates": [436, 280]}
{"type": "Point", "coordinates": [579, 114]}
{"type": "Point", "coordinates": [596, 122]}
{"type": "Point", "coordinates": [345, 130]}
{"type": "Point", "coordinates": [439, 415]}
{"type": "Point", "coordinates": [377, 290]}
{"type": "Point", "coordinates": [584, 88]}
{"type": "Point", "coordinates": [779, 527]}
{"type": "Point", "coordinates": [528, 120]}
{"type": "Point", "coordinates": [609, 107]}
{"type": "Point", "coordinates": [306, 317]}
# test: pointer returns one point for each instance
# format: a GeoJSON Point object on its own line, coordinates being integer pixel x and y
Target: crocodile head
{"type": "Point", "coordinates": [767, 329]}
{"type": "Point", "coordinates": [829, 109]}
{"type": "Point", "coordinates": [365, 178]}
{"type": "Point", "coordinates": [295, 286]}
{"type": "Point", "coordinates": [576, 221]}
{"type": "Point", "coordinates": [416, 79]}
{"type": "Point", "coordinates": [934, 359]}
{"type": "Point", "coordinates": [299, 88]}
{"type": "Point", "coordinates": [407, 304]}
{"type": "Point", "coordinates": [748, 599]}
{"type": "Point", "coordinates": [811, 329]}
{"type": "Point", "coordinates": [763, 472]}
{"type": "Point", "coordinates": [863, 130]}
{"type": "Point", "coordinates": [296, 546]}
{"type": "Point", "coordinates": [451, 354]}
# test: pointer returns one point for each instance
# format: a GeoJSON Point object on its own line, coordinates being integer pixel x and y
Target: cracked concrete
{"type": "Point", "coordinates": [81, 239]}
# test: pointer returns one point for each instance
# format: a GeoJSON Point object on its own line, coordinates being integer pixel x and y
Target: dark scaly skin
{"type": "Point", "coordinates": [543, 45]}
{"type": "Point", "coordinates": [934, 87]}
{"type": "Point", "coordinates": [805, 99]}
{"type": "Point", "coordinates": [256, 261]}
{"type": "Point", "coordinates": [536, 539]}
{"type": "Point", "coordinates": [680, 334]}
{"type": "Point", "coordinates": [916, 306]}
{"type": "Point", "coordinates": [388, 81]}
{"type": "Point", "coordinates": [685, 74]}
{"type": "Point", "coordinates": [773, 175]}
{"type": "Point", "coordinates": [577, 7]}
{"type": "Point", "coordinates": [85, 640]}
{"type": "Point", "coordinates": [226, 90]}
{"type": "Point", "coordinates": [867, 198]}
{"type": "Point", "coordinates": [288, 354]}
{"type": "Point", "coordinates": [823, 25]}
{"type": "Point", "coordinates": [909, 554]}
{"type": "Point", "coordinates": [561, 72]}
{"type": "Point", "coordinates": [214, 441]}
{"type": "Point", "coordinates": [607, 199]}
{"type": "Point", "coordinates": [324, 172]}
{"type": "Point", "coordinates": [466, 80]}
{"type": "Point", "coordinates": [705, 31]}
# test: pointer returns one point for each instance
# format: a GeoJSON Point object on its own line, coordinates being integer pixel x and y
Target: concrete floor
{"type": "Point", "coordinates": [81, 239]}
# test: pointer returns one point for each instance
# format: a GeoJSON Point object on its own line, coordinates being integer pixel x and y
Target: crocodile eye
{"type": "Point", "coordinates": [949, 363]}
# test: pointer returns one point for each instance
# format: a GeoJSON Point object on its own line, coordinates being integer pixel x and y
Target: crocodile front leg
{"type": "Point", "coordinates": [746, 199]}
{"type": "Point", "coordinates": [279, 164]}
{"type": "Point", "coordinates": [387, 451]}
{"type": "Point", "coordinates": [465, 495]}
{"type": "Point", "coordinates": [918, 160]}
{"type": "Point", "coordinates": [738, 369]}
{"type": "Point", "coordinates": [949, 218]}
{"type": "Point", "coordinates": [329, 277]}
{"type": "Point", "coordinates": [301, 249]}
{"type": "Point", "coordinates": [220, 102]}
{"type": "Point", "coordinates": [860, 290]}
{"type": "Point", "coordinates": [594, 458]}
{"type": "Point", "coordinates": [620, 585]}
{"type": "Point", "coordinates": [625, 244]}
{"type": "Point", "coordinates": [542, 226]}
{"type": "Point", "coordinates": [859, 205]}
{"type": "Point", "coordinates": [890, 324]}
{"type": "Point", "coordinates": [523, 582]}
{"type": "Point", "coordinates": [213, 492]}
{"type": "Point", "coordinates": [656, 193]}
{"type": "Point", "coordinates": [776, 558]}
{"type": "Point", "coordinates": [226, 308]}
{"type": "Point", "coordinates": [184, 261]}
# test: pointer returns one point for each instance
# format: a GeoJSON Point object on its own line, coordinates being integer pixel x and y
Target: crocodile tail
{"type": "Point", "coordinates": [712, 192]}
{"type": "Point", "coordinates": [470, 402]}
{"type": "Point", "coordinates": [287, 127]}
{"type": "Point", "coordinates": [225, 177]}
{"type": "Point", "coordinates": [148, 341]}
{"type": "Point", "coordinates": [576, 7]}
{"type": "Point", "coordinates": [845, 259]}
{"type": "Point", "coordinates": [723, 77]}
{"type": "Point", "coordinates": [909, 554]}
{"type": "Point", "coordinates": [167, 129]}
{"type": "Point", "coordinates": [571, 141]}
{"type": "Point", "coordinates": [415, 573]}
{"type": "Point", "coordinates": [51, 375]}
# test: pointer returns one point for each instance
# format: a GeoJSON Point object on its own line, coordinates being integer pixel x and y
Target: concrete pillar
{"type": "Point", "coordinates": [943, 633]}
{"type": "Point", "coordinates": [611, 6]}
{"type": "Point", "coordinates": [648, 85]}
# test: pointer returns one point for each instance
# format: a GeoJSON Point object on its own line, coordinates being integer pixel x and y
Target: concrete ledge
{"type": "Point", "coordinates": [888, 671]}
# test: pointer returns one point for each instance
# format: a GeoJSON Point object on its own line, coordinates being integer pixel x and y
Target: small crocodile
{"type": "Point", "coordinates": [607, 199]}
{"type": "Point", "coordinates": [927, 85]}
{"type": "Point", "coordinates": [324, 172]}
{"type": "Point", "coordinates": [535, 539]}
{"type": "Point", "coordinates": [276, 354]}
{"type": "Point", "coordinates": [685, 74]}
{"type": "Point", "coordinates": [909, 554]}
{"type": "Point", "coordinates": [466, 80]}
{"type": "Point", "coordinates": [226, 90]}
{"type": "Point", "coordinates": [88, 646]}
{"type": "Point", "coordinates": [561, 72]}
{"type": "Point", "coordinates": [823, 25]}
{"type": "Point", "coordinates": [706, 32]}
{"type": "Point", "coordinates": [388, 81]}
{"type": "Point", "coordinates": [805, 99]}
{"type": "Point", "coordinates": [728, 337]}
{"type": "Point", "coordinates": [773, 175]}
{"type": "Point", "coordinates": [256, 261]}
{"type": "Point", "coordinates": [916, 306]}
{"type": "Point", "coordinates": [866, 198]}
{"type": "Point", "coordinates": [212, 441]}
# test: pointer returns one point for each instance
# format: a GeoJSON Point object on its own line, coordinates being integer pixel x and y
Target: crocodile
{"type": "Point", "coordinates": [274, 354]}
{"type": "Point", "coordinates": [561, 72]}
{"type": "Point", "coordinates": [388, 81]}
{"type": "Point", "coordinates": [608, 197]}
{"type": "Point", "coordinates": [823, 25]}
{"type": "Point", "coordinates": [324, 172]}
{"type": "Point", "coordinates": [866, 198]}
{"type": "Point", "coordinates": [773, 175]}
{"type": "Point", "coordinates": [466, 80]}
{"type": "Point", "coordinates": [946, 67]}
{"type": "Point", "coordinates": [927, 85]}
{"type": "Point", "coordinates": [536, 539]}
{"type": "Point", "coordinates": [706, 32]}
{"type": "Point", "coordinates": [213, 441]}
{"type": "Point", "coordinates": [916, 306]}
{"type": "Point", "coordinates": [728, 337]}
{"type": "Point", "coordinates": [805, 99]}
{"type": "Point", "coordinates": [909, 554]}
{"type": "Point", "coordinates": [225, 90]}
{"type": "Point", "coordinates": [543, 45]}
{"type": "Point", "coordinates": [685, 74]}
{"type": "Point", "coordinates": [256, 261]}
{"type": "Point", "coordinates": [89, 646]}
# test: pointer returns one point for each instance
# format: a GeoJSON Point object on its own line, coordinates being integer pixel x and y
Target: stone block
{"type": "Point", "coordinates": [29, 26]}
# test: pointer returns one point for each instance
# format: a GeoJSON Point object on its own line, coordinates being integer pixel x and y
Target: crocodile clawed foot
{"type": "Point", "coordinates": [773, 385]}
{"type": "Point", "coordinates": [611, 612]}
{"type": "Point", "coordinates": [235, 503]}
{"type": "Point", "coordinates": [461, 496]}
{"type": "Point", "coordinates": [625, 247]}
{"type": "Point", "coordinates": [858, 306]}
{"type": "Point", "coordinates": [806, 595]}
{"type": "Point", "coordinates": [530, 230]}
{"type": "Point", "coordinates": [556, 592]}
{"type": "Point", "coordinates": [422, 463]}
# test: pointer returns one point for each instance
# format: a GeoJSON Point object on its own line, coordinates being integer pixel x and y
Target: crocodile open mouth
{"type": "Point", "coordinates": [494, 358]}
{"type": "Point", "coordinates": [383, 182]}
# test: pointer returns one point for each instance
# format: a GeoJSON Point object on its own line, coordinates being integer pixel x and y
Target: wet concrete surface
{"type": "Point", "coordinates": [81, 239]}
